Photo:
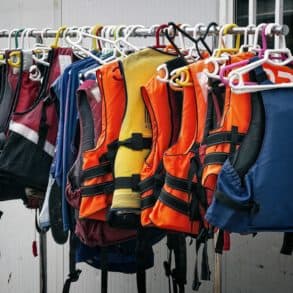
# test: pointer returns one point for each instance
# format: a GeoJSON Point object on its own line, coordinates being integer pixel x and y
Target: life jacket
{"type": "Point", "coordinates": [101, 246]}
{"type": "Point", "coordinates": [18, 93]}
{"type": "Point", "coordinates": [227, 137]}
{"type": "Point", "coordinates": [181, 197]}
{"type": "Point", "coordinates": [97, 170]}
{"type": "Point", "coordinates": [91, 232]}
{"type": "Point", "coordinates": [163, 106]}
{"type": "Point", "coordinates": [254, 186]}
{"type": "Point", "coordinates": [134, 138]}
{"type": "Point", "coordinates": [28, 152]}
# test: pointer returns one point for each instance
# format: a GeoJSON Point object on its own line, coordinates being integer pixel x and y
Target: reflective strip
{"type": "Point", "coordinates": [31, 135]}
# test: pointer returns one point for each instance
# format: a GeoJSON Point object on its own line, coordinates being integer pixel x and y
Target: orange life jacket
{"type": "Point", "coordinates": [163, 111]}
{"type": "Point", "coordinates": [97, 188]}
{"type": "Point", "coordinates": [180, 205]}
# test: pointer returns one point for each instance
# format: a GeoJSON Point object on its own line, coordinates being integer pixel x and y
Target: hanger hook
{"type": "Point", "coordinates": [257, 30]}
{"type": "Point", "coordinates": [10, 37]}
{"type": "Point", "coordinates": [96, 30]}
{"type": "Point", "coordinates": [58, 34]}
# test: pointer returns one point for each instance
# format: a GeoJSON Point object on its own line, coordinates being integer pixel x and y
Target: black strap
{"type": "Point", "coordinates": [176, 243]}
{"type": "Point", "coordinates": [177, 183]}
{"type": "Point", "coordinates": [234, 139]}
{"type": "Point", "coordinates": [128, 182]}
{"type": "Point", "coordinates": [1, 213]}
{"type": "Point", "coordinates": [287, 247]}
{"type": "Point", "coordinates": [224, 137]}
{"type": "Point", "coordinates": [96, 171]}
{"type": "Point", "coordinates": [220, 242]}
{"type": "Point", "coordinates": [141, 281]}
{"type": "Point", "coordinates": [102, 188]}
{"type": "Point", "coordinates": [109, 156]}
{"type": "Point", "coordinates": [249, 207]}
{"type": "Point", "coordinates": [104, 268]}
{"type": "Point", "coordinates": [146, 184]}
{"type": "Point", "coordinates": [137, 142]}
{"type": "Point", "coordinates": [215, 158]}
{"type": "Point", "coordinates": [202, 238]}
{"type": "Point", "coordinates": [174, 202]}
{"type": "Point", "coordinates": [73, 275]}
{"type": "Point", "coordinates": [148, 201]}
{"type": "Point", "coordinates": [43, 128]}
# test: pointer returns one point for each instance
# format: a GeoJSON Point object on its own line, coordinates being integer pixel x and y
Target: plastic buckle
{"type": "Point", "coordinates": [137, 141]}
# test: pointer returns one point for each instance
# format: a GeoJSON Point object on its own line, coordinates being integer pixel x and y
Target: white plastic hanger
{"type": "Point", "coordinates": [124, 40]}
{"type": "Point", "coordinates": [235, 77]}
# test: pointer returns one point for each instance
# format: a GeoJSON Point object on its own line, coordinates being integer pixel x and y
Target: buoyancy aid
{"type": "Point", "coordinates": [90, 232]}
{"type": "Point", "coordinates": [28, 152]}
{"type": "Point", "coordinates": [134, 138]}
{"type": "Point", "coordinates": [97, 171]}
{"type": "Point", "coordinates": [180, 197]}
{"type": "Point", "coordinates": [19, 95]}
{"type": "Point", "coordinates": [225, 138]}
{"type": "Point", "coordinates": [254, 186]}
{"type": "Point", "coordinates": [163, 106]}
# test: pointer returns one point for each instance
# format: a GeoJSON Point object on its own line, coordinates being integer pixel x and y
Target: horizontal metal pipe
{"type": "Point", "coordinates": [147, 32]}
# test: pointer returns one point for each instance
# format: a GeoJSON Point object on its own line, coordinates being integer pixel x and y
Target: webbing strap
{"type": "Point", "coordinates": [146, 184]}
{"type": "Point", "coordinates": [73, 275]}
{"type": "Point", "coordinates": [174, 202]}
{"type": "Point", "coordinates": [148, 201]}
{"type": "Point", "coordinates": [102, 188]}
{"type": "Point", "coordinates": [128, 182]}
{"type": "Point", "coordinates": [223, 137]}
{"type": "Point", "coordinates": [96, 171]}
{"type": "Point", "coordinates": [287, 247]}
{"type": "Point", "coordinates": [215, 158]}
{"type": "Point", "coordinates": [137, 142]}
{"type": "Point", "coordinates": [104, 273]}
{"type": "Point", "coordinates": [1, 213]}
{"type": "Point", "coordinates": [141, 281]}
{"type": "Point", "coordinates": [235, 205]}
{"type": "Point", "coordinates": [177, 183]}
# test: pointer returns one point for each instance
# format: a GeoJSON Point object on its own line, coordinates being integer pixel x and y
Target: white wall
{"type": "Point", "coordinates": [253, 265]}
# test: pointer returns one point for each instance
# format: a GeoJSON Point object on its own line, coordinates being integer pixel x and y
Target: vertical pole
{"type": "Point", "coordinates": [279, 16]}
{"type": "Point", "coordinates": [218, 268]}
{"type": "Point", "coordinates": [251, 17]}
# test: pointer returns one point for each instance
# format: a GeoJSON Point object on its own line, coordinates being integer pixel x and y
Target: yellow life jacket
{"type": "Point", "coordinates": [135, 136]}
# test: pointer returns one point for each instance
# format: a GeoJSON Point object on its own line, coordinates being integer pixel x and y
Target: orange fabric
{"type": "Point", "coordinates": [113, 105]}
{"type": "Point", "coordinates": [156, 98]}
{"type": "Point", "coordinates": [177, 163]}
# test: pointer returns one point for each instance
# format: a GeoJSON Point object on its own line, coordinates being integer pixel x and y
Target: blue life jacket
{"type": "Point", "coordinates": [254, 188]}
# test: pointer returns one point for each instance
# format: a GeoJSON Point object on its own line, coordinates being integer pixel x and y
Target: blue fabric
{"type": "Point", "coordinates": [69, 150]}
{"type": "Point", "coordinates": [269, 181]}
{"type": "Point", "coordinates": [120, 258]}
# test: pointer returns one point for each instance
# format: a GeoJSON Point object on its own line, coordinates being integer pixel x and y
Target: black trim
{"type": "Point", "coordinates": [215, 158]}
{"type": "Point", "coordinates": [128, 182]}
{"type": "Point", "coordinates": [102, 188]}
{"type": "Point", "coordinates": [96, 171]}
{"type": "Point", "coordinates": [174, 202]}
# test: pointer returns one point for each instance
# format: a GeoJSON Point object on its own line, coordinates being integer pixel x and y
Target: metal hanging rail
{"type": "Point", "coordinates": [143, 32]}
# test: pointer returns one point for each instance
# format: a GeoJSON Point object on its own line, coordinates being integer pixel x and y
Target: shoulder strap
{"type": "Point", "coordinates": [73, 272]}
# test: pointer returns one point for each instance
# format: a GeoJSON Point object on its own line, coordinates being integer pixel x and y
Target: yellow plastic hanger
{"type": "Point", "coordinates": [95, 30]}
{"type": "Point", "coordinates": [59, 32]}
{"type": "Point", "coordinates": [181, 77]}
{"type": "Point", "coordinates": [224, 31]}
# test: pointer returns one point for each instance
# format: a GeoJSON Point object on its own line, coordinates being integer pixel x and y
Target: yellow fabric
{"type": "Point", "coordinates": [138, 68]}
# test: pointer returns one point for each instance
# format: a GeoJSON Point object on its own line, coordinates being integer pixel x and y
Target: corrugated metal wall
{"type": "Point", "coordinates": [252, 266]}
